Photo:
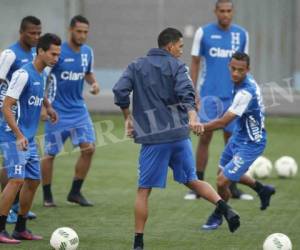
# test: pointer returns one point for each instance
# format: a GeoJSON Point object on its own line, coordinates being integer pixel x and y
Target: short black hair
{"type": "Point", "coordinates": [223, 1]}
{"type": "Point", "coordinates": [29, 19]}
{"type": "Point", "coordinates": [168, 35]}
{"type": "Point", "coordinates": [241, 56]}
{"type": "Point", "coordinates": [46, 40]}
{"type": "Point", "coordinates": [78, 19]}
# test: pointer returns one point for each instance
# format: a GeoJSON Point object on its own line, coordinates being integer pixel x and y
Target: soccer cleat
{"type": "Point", "coordinates": [232, 218]}
{"type": "Point", "coordinates": [49, 203]}
{"type": "Point", "coordinates": [6, 239]}
{"type": "Point", "coordinates": [12, 217]}
{"type": "Point", "coordinates": [79, 199]}
{"type": "Point", "coordinates": [213, 222]}
{"type": "Point", "coordinates": [138, 248]}
{"type": "Point", "coordinates": [191, 195]}
{"type": "Point", "coordinates": [265, 196]}
{"type": "Point", "coordinates": [30, 215]}
{"type": "Point", "coordinates": [25, 235]}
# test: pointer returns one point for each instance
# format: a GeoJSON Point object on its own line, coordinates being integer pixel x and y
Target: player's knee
{"type": "Point", "coordinates": [221, 182]}
{"type": "Point", "coordinates": [32, 184]}
{"type": "Point", "coordinates": [88, 151]}
{"type": "Point", "coordinates": [143, 193]}
{"type": "Point", "coordinates": [16, 182]}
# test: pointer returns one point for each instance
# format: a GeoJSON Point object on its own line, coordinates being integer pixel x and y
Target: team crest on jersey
{"type": "Point", "coordinates": [84, 60]}
{"type": "Point", "coordinates": [235, 40]}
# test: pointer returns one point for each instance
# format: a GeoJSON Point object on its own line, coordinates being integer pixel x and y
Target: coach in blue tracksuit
{"type": "Point", "coordinates": [163, 112]}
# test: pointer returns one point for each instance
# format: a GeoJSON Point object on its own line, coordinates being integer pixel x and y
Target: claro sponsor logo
{"type": "Point", "coordinates": [221, 53]}
{"type": "Point", "coordinates": [72, 76]}
{"type": "Point", "coordinates": [35, 100]}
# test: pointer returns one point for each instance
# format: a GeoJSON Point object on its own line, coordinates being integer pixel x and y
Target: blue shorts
{"type": "Point", "coordinates": [237, 157]}
{"type": "Point", "coordinates": [155, 159]}
{"type": "Point", "coordinates": [20, 164]}
{"type": "Point", "coordinates": [213, 107]}
{"type": "Point", "coordinates": [54, 140]}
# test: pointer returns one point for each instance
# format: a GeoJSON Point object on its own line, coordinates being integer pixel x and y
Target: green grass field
{"type": "Point", "coordinates": [173, 222]}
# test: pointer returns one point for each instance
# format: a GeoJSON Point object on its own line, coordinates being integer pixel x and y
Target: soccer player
{"type": "Point", "coordinates": [12, 59]}
{"type": "Point", "coordinates": [163, 109]}
{"type": "Point", "coordinates": [213, 46]}
{"type": "Point", "coordinates": [74, 67]}
{"type": "Point", "coordinates": [248, 140]}
{"type": "Point", "coordinates": [21, 160]}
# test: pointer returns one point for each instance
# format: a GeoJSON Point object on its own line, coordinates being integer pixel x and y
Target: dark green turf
{"type": "Point", "coordinates": [173, 223]}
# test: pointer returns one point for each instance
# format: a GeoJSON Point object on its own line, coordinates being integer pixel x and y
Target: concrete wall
{"type": "Point", "coordinates": [124, 29]}
{"type": "Point", "coordinates": [52, 14]}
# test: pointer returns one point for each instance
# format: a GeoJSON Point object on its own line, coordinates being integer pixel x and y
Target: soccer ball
{"type": "Point", "coordinates": [260, 168]}
{"type": "Point", "coordinates": [286, 167]}
{"type": "Point", "coordinates": [64, 238]}
{"type": "Point", "coordinates": [277, 241]}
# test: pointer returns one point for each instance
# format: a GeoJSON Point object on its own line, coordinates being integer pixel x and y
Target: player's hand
{"type": "Point", "coordinates": [52, 115]}
{"type": "Point", "coordinates": [197, 128]}
{"type": "Point", "coordinates": [194, 123]}
{"type": "Point", "coordinates": [95, 89]}
{"type": "Point", "coordinates": [22, 142]}
{"type": "Point", "coordinates": [129, 127]}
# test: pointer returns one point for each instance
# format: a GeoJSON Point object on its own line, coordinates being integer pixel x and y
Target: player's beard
{"type": "Point", "coordinates": [77, 43]}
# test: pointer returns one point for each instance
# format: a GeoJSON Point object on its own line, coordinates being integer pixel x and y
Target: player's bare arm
{"type": "Point", "coordinates": [8, 103]}
{"type": "Point", "coordinates": [219, 123]}
{"type": "Point", "coordinates": [128, 122]}
{"type": "Point", "coordinates": [51, 113]}
{"type": "Point", "coordinates": [195, 66]}
{"type": "Point", "coordinates": [91, 80]}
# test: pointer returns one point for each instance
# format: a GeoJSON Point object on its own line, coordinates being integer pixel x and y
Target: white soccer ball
{"type": "Point", "coordinates": [260, 168]}
{"type": "Point", "coordinates": [286, 166]}
{"type": "Point", "coordinates": [277, 241]}
{"type": "Point", "coordinates": [64, 238]}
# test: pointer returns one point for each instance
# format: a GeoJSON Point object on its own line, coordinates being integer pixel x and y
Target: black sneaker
{"type": "Point", "coordinates": [79, 199]}
{"type": "Point", "coordinates": [233, 219]}
{"type": "Point", "coordinates": [265, 196]}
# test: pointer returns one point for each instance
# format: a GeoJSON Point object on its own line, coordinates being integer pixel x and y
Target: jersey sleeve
{"type": "Point", "coordinates": [196, 47]}
{"type": "Point", "coordinates": [91, 63]}
{"type": "Point", "coordinates": [7, 58]}
{"type": "Point", "coordinates": [240, 102]}
{"type": "Point", "coordinates": [17, 84]}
